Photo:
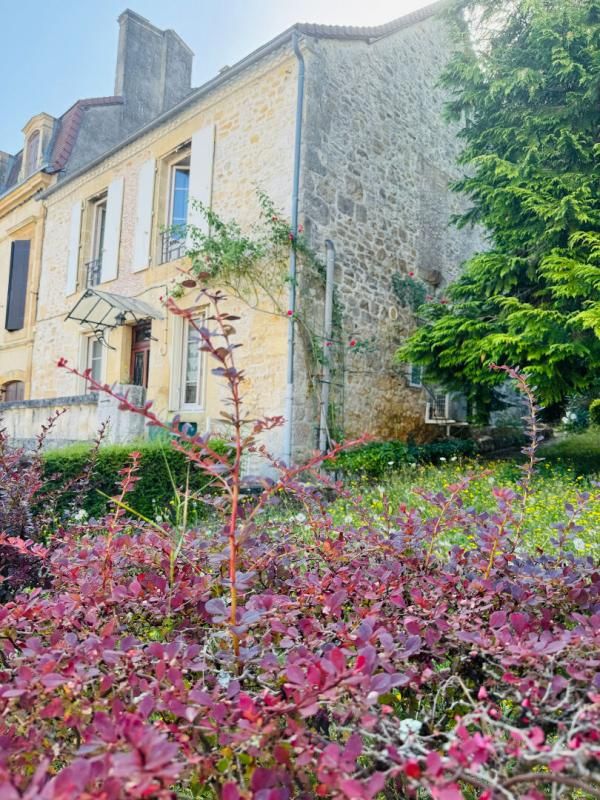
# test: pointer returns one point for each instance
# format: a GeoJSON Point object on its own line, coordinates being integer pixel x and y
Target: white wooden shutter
{"type": "Point", "coordinates": [143, 218]}
{"type": "Point", "coordinates": [73, 259]}
{"type": "Point", "coordinates": [112, 231]}
{"type": "Point", "coordinates": [201, 173]}
{"type": "Point", "coordinates": [176, 358]}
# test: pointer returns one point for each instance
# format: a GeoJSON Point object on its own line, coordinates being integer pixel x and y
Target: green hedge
{"type": "Point", "coordinates": [376, 459]}
{"type": "Point", "coordinates": [594, 410]}
{"type": "Point", "coordinates": [577, 451]}
{"type": "Point", "coordinates": [161, 467]}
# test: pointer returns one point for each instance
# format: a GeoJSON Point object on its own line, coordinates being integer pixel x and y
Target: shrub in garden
{"type": "Point", "coordinates": [27, 509]}
{"type": "Point", "coordinates": [349, 662]}
{"type": "Point", "coordinates": [162, 472]}
{"type": "Point", "coordinates": [376, 459]}
{"type": "Point", "coordinates": [576, 417]}
{"type": "Point", "coordinates": [594, 411]}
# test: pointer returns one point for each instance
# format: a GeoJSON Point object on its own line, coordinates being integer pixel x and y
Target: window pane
{"type": "Point", "coordinates": [179, 200]}
{"type": "Point", "coordinates": [95, 359]}
{"type": "Point", "coordinates": [13, 391]}
{"type": "Point", "coordinates": [416, 375]}
{"type": "Point", "coordinates": [192, 367]}
{"type": "Point", "coordinates": [100, 225]}
{"type": "Point", "coordinates": [139, 362]}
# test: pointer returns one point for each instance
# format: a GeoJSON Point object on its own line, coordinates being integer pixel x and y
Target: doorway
{"type": "Point", "coordinates": [140, 353]}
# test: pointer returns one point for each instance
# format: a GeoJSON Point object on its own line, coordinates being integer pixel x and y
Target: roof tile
{"type": "Point", "coordinates": [372, 31]}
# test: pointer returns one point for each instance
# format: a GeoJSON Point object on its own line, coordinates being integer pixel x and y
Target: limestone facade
{"type": "Point", "coordinates": [376, 160]}
{"type": "Point", "coordinates": [252, 122]}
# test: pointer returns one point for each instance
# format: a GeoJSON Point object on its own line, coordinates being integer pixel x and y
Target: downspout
{"type": "Point", "coordinates": [289, 393]}
{"type": "Point", "coordinates": [327, 333]}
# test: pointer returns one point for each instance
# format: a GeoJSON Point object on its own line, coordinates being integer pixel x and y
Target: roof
{"type": "Point", "coordinates": [15, 168]}
{"type": "Point", "coordinates": [369, 32]}
{"type": "Point", "coordinates": [64, 136]}
{"type": "Point", "coordinates": [68, 128]}
{"type": "Point", "coordinates": [347, 32]}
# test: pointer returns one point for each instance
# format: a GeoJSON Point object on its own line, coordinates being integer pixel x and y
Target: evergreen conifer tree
{"type": "Point", "coordinates": [525, 82]}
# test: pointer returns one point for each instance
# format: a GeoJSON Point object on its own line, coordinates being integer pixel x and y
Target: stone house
{"type": "Point", "coordinates": [153, 72]}
{"type": "Point", "coordinates": [341, 127]}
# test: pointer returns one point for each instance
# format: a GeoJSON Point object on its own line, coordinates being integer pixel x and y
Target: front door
{"type": "Point", "coordinates": [140, 353]}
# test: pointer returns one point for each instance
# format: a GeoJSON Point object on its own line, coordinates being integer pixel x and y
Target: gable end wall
{"type": "Point", "coordinates": [377, 161]}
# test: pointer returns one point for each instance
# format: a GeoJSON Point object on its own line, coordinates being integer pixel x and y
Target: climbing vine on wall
{"type": "Point", "coordinates": [410, 291]}
{"type": "Point", "coordinates": [252, 264]}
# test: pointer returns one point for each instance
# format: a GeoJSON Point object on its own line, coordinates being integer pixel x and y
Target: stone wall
{"type": "Point", "coordinates": [24, 420]}
{"type": "Point", "coordinates": [377, 158]}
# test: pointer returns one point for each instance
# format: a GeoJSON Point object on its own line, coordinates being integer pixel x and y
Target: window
{"type": "Point", "coordinates": [140, 353]}
{"type": "Point", "coordinates": [415, 376]}
{"type": "Point", "coordinates": [94, 361]}
{"type": "Point", "coordinates": [192, 367]}
{"type": "Point", "coordinates": [94, 266]}
{"type": "Point", "coordinates": [173, 238]}
{"type": "Point", "coordinates": [17, 285]}
{"type": "Point", "coordinates": [12, 392]}
{"type": "Point", "coordinates": [440, 406]}
{"type": "Point", "coordinates": [180, 187]}
{"type": "Point", "coordinates": [33, 146]}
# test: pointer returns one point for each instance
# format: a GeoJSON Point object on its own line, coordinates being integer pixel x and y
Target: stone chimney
{"type": "Point", "coordinates": [154, 70]}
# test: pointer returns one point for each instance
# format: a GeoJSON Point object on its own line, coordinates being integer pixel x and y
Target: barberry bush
{"type": "Point", "coordinates": [355, 661]}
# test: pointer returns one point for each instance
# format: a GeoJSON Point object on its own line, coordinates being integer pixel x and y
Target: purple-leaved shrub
{"type": "Point", "coordinates": [254, 662]}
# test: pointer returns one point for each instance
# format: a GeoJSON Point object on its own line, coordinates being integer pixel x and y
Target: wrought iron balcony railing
{"type": "Point", "coordinates": [172, 245]}
{"type": "Point", "coordinates": [93, 273]}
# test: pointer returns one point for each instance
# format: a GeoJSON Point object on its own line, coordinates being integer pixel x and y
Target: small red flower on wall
{"type": "Point", "coordinates": [411, 274]}
{"type": "Point", "coordinates": [290, 313]}
{"type": "Point", "coordinates": [352, 342]}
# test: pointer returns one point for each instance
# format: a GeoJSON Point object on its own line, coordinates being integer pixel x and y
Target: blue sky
{"type": "Point", "coordinates": [56, 51]}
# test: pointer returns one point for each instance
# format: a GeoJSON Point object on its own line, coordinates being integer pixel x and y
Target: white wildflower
{"type": "Point", "coordinates": [408, 726]}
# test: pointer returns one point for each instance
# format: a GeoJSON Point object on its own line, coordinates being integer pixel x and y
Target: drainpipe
{"type": "Point", "coordinates": [327, 333]}
{"type": "Point", "coordinates": [289, 394]}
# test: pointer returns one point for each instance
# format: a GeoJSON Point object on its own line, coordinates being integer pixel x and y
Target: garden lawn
{"type": "Point", "coordinates": [556, 484]}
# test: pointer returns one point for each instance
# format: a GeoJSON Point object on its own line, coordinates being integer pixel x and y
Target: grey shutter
{"type": "Point", "coordinates": [17, 285]}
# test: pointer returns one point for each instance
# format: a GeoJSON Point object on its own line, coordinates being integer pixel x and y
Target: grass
{"type": "Point", "coordinates": [556, 484]}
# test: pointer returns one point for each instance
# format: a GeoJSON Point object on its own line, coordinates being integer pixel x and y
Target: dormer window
{"type": "Point", "coordinates": [32, 155]}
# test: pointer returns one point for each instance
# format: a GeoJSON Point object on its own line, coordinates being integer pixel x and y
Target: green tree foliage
{"type": "Point", "coordinates": [525, 82]}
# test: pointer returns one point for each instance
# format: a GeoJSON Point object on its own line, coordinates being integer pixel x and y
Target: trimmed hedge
{"type": "Point", "coordinates": [161, 467]}
{"type": "Point", "coordinates": [376, 459]}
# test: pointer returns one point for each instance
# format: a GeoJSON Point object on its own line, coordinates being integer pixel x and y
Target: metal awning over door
{"type": "Point", "coordinates": [102, 311]}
